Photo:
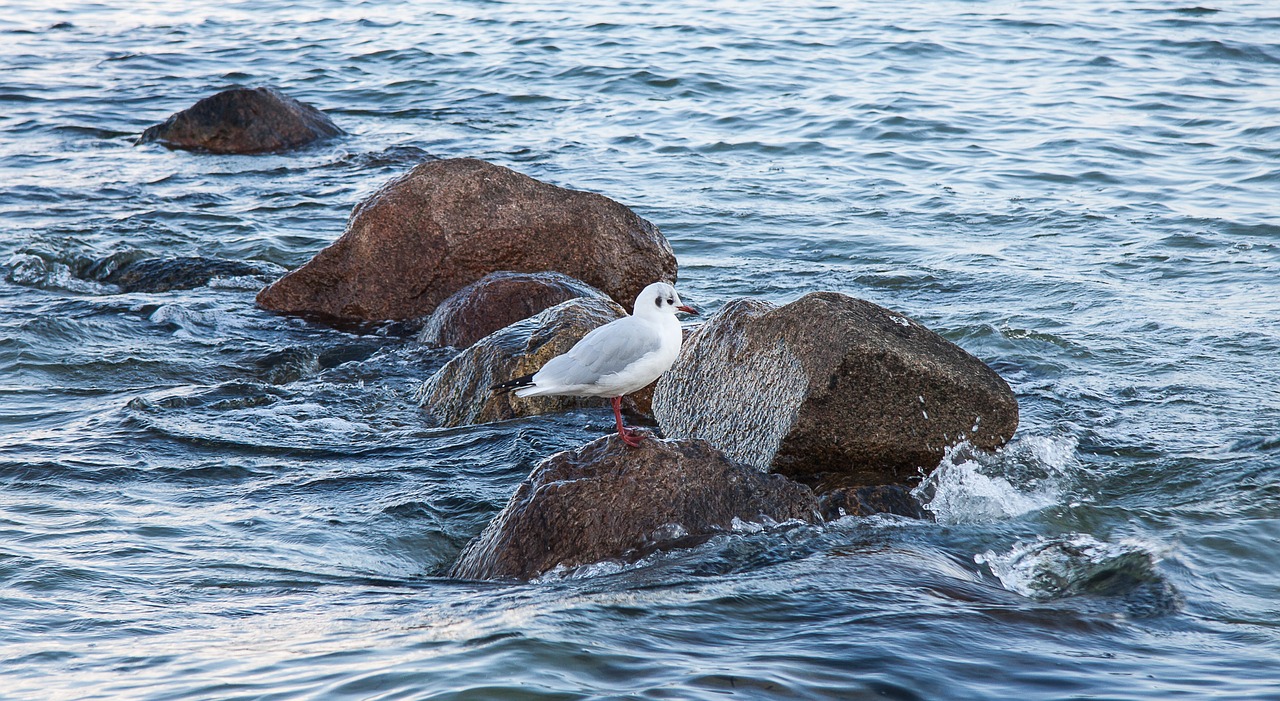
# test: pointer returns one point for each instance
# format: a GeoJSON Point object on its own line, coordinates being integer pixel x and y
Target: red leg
{"type": "Point", "coordinates": [631, 438]}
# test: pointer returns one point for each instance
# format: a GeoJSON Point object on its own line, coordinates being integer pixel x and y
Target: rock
{"type": "Point", "coordinates": [448, 223]}
{"type": "Point", "coordinates": [1080, 565]}
{"type": "Point", "coordinates": [867, 500]}
{"type": "Point", "coordinates": [165, 274]}
{"type": "Point", "coordinates": [459, 393]}
{"type": "Point", "coordinates": [831, 385]}
{"type": "Point", "coordinates": [498, 300]}
{"type": "Point", "coordinates": [639, 404]}
{"type": "Point", "coordinates": [243, 120]}
{"type": "Point", "coordinates": [606, 501]}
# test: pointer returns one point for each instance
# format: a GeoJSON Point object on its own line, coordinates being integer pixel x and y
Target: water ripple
{"type": "Point", "coordinates": [220, 502]}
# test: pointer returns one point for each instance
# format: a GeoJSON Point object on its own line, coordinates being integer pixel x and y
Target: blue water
{"type": "Point", "coordinates": [202, 500]}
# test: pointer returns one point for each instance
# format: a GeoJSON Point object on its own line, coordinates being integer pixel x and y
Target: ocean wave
{"type": "Point", "coordinates": [1078, 564]}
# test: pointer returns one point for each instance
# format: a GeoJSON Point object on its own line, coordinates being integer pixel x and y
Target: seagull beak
{"type": "Point", "coordinates": [687, 309]}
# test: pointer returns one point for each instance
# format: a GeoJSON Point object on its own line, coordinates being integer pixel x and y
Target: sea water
{"type": "Point", "coordinates": [199, 499]}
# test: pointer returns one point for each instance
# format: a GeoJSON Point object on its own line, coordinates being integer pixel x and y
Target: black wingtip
{"type": "Point", "coordinates": [510, 385]}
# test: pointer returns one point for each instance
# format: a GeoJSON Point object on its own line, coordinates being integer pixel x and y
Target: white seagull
{"type": "Point", "coordinates": [618, 358]}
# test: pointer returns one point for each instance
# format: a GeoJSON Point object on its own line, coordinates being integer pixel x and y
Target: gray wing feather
{"type": "Point", "coordinates": [604, 351]}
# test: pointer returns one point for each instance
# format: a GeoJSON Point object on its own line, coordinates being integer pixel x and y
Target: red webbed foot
{"type": "Point", "coordinates": [631, 437]}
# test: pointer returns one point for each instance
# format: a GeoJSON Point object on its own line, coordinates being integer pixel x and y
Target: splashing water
{"type": "Point", "coordinates": [974, 486]}
{"type": "Point", "coordinates": [1079, 564]}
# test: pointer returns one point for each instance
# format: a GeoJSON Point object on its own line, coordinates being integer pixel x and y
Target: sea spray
{"type": "Point", "coordinates": [975, 486]}
{"type": "Point", "coordinates": [1079, 564]}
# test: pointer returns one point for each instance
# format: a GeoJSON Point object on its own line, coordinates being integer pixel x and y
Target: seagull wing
{"type": "Point", "coordinates": [607, 350]}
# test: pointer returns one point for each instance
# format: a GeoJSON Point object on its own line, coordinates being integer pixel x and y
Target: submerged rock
{"type": "Point", "coordinates": [607, 501]}
{"type": "Point", "coordinates": [165, 274]}
{"type": "Point", "coordinates": [459, 393]}
{"type": "Point", "coordinates": [1081, 565]}
{"type": "Point", "coordinates": [448, 223]}
{"type": "Point", "coordinates": [831, 385]}
{"type": "Point", "coordinates": [243, 120]}
{"type": "Point", "coordinates": [498, 300]}
{"type": "Point", "coordinates": [839, 502]}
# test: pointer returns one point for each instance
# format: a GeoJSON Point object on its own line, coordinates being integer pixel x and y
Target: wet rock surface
{"type": "Point", "coordinates": [607, 501]}
{"type": "Point", "coordinates": [830, 384]}
{"type": "Point", "coordinates": [498, 300]}
{"type": "Point", "coordinates": [459, 393]}
{"type": "Point", "coordinates": [448, 223]}
{"type": "Point", "coordinates": [243, 120]}
{"type": "Point", "coordinates": [895, 499]}
{"type": "Point", "coordinates": [166, 274]}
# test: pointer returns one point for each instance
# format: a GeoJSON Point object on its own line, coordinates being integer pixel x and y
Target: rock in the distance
{"type": "Point", "coordinates": [184, 273]}
{"type": "Point", "coordinates": [447, 223]}
{"type": "Point", "coordinates": [831, 385]}
{"type": "Point", "coordinates": [459, 393]}
{"type": "Point", "coordinates": [608, 501]}
{"type": "Point", "coordinates": [498, 300]}
{"type": "Point", "coordinates": [243, 120]}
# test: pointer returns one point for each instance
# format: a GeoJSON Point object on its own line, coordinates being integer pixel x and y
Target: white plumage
{"type": "Point", "coordinates": [617, 358]}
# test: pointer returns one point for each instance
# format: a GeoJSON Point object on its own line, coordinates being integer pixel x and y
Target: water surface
{"type": "Point", "coordinates": [199, 499]}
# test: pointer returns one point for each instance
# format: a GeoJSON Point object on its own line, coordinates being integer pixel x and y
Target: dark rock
{"type": "Point", "coordinates": [290, 364]}
{"type": "Point", "coordinates": [867, 500]}
{"type": "Point", "coordinates": [459, 393]}
{"type": "Point", "coordinates": [830, 384]}
{"type": "Point", "coordinates": [165, 274]}
{"type": "Point", "coordinates": [498, 300]}
{"type": "Point", "coordinates": [607, 501]}
{"type": "Point", "coordinates": [448, 223]}
{"type": "Point", "coordinates": [243, 120]}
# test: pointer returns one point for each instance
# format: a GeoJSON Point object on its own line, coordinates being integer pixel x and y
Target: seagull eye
{"type": "Point", "coordinates": [670, 301]}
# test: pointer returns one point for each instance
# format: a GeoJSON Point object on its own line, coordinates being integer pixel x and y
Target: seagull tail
{"type": "Point", "coordinates": [511, 385]}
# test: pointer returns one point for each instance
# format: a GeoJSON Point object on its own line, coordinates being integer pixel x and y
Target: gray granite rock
{"type": "Point", "coordinates": [831, 386]}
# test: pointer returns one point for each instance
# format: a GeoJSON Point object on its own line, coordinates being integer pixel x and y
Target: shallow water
{"type": "Point", "coordinates": [203, 500]}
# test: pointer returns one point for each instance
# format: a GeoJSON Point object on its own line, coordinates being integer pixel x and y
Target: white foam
{"type": "Point", "coordinates": [236, 282]}
{"type": "Point", "coordinates": [975, 486]}
{"type": "Point", "coordinates": [603, 568]}
{"type": "Point", "coordinates": [740, 526]}
{"type": "Point", "coordinates": [245, 420]}
{"type": "Point", "coordinates": [190, 322]}
{"type": "Point", "coordinates": [1048, 568]}
{"type": "Point", "coordinates": [31, 270]}
{"type": "Point", "coordinates": [27, 270]}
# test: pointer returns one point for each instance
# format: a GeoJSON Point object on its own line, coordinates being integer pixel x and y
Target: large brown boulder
{"type": "Point", "coordinates": [498, 300]}
{"type": "Point", "coordinates": [243, 120]}
{"type": "Point", "coordinates": [459, 393]}
{"type": "Point", "coordinates": [608, 501]}
{"type": "Point", "coordinates": [448, 223]}
{"type": "Point", "coordinates": [831, 386]}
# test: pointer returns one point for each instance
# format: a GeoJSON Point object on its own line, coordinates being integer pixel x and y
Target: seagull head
{"type": "Point", "coordinates": [660, 298]}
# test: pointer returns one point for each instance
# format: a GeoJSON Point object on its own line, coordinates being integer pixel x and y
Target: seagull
{"type": "Point", "coordinates": [618, 358]}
